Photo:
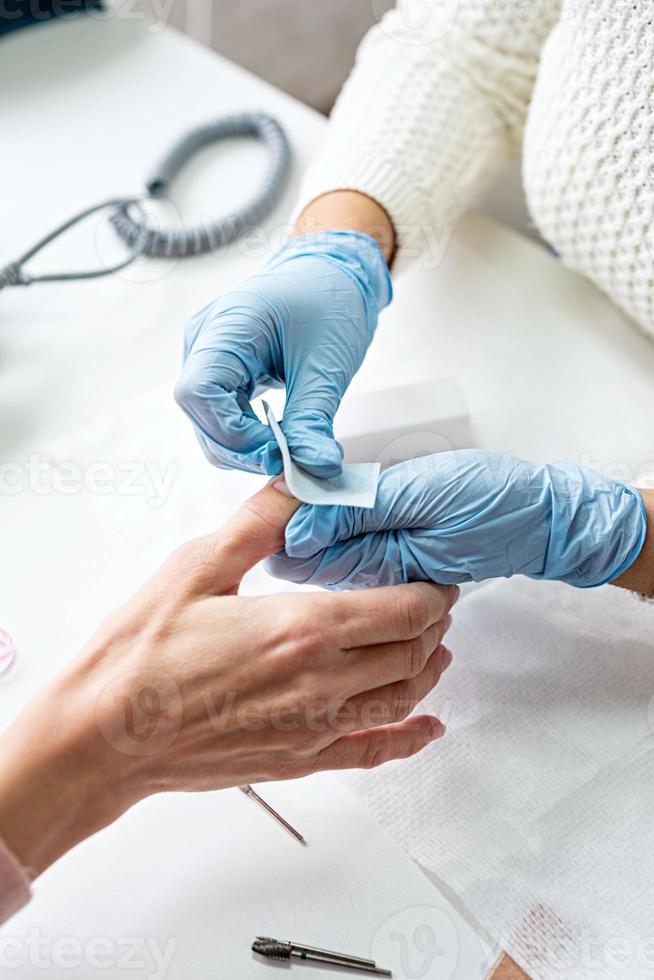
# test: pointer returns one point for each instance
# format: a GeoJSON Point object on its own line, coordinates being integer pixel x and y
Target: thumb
{"type": "Point", "coordinates": [253, 533]}
{"type": "Point", "coordinates": [313, 396]}
{"type": "Point", "coordinates": [312, 445]}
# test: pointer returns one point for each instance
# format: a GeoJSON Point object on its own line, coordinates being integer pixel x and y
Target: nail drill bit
{"type": "Point", "coordinates": [247, 789]}
{"type": "Point", "coordinates": [274, 949]}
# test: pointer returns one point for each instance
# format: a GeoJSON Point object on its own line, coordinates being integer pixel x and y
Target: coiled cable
{"type": "Point", "coordinates": [218, 233]}
{"type": "Point", "coordinates": [129, 221]}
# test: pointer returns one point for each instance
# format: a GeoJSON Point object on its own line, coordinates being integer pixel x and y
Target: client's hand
{"type": "Point", "coordinates": [460, 516]}
{"type": "Point", "coordinates": [190, 687]}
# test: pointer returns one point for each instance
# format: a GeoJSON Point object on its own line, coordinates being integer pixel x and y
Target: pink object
{"type": "Point", "coordinates": [7, 651]}
{"type": "Point", "coordinates": [15, 886]}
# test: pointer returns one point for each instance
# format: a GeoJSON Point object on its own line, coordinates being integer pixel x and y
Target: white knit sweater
{"type": "Point", "coordinates": [444, 92]}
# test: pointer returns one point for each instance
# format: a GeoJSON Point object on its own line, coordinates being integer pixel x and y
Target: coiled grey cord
{"type": "Point", "coordinates": [181, 243]}
{"type": "Point", "coordinates": [14, 274]}
{"type": "Point", "coordinates": [212, 235]}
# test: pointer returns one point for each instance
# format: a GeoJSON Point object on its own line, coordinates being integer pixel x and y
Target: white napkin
{"type": "Point", "coordinates": [537, 808]}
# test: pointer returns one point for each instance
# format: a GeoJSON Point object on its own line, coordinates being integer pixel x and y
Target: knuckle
{"type": "Point", "coordinates": [415, 744]}
{"type": "Point", "coordinates": [306, 747]}
{"type": "Point", "coordinates": [374, 754]}
{"type": "Point", "coordinates": [313, 753]}
{"type": "Point", "coordinates": [191, 559]}
{"type": "Point", "coordinates": [329, 606]}
{"type": "Point", "coordinates": [305, 637]}
{"type": "Point", "coordinates": [324, 758]}
{"type": "Point", "coordinates": [282, 767]}
{"type": "Point", "coordinates": [189, 555]}
{"type": "Point", "coordinates": [308, 642]}
{"type": "Point", "coordinates": [417, 652]}
{"type": "Point", "coordinates": [413, 611]}
{"type": "Point", "coordinates": [345, 717]}
{"type": "Point", "coordinates": [403, 701]}
{"type": "Point", "coordinates": [313, 742]}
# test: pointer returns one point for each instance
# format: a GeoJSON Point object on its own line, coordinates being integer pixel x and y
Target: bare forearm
{"type": "Point", "coordinates": [52, 794]}
{"type": "Point", "coordinates": [640, 577]}
{"type": "Point", "coordinates": [351, 211]}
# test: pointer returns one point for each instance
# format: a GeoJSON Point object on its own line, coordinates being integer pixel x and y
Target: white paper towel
{"type": "Point", "coordinates": [537, 808]}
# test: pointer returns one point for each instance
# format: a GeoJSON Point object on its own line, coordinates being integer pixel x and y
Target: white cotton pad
{"type": "Point", "coordinates": [355, 487]}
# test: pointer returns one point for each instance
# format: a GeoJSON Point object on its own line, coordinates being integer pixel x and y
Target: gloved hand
{"type": "Point", "coordinates": [305, 322]}
{"type": "Point", "coordinates": [461, 516]}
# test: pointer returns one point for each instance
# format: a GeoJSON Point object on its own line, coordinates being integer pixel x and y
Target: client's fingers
{"type": "Point", "coordinates": [217, 562]}
{"type": "Point", "coordinates": [394, 702]}
{"type": "Point", "coordinates": [368, 750]}
{"type": "Point", "coordinates": [375, 666]}
{"type": "Point", "coordinates": [390, 615]}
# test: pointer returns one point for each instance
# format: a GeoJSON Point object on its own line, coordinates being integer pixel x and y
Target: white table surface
{"type": "Point", "coordinates": [548, 366]}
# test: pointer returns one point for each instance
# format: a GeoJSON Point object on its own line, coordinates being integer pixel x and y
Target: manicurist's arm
{"type": "Point", "coordinates": [472, 515]}
{"type": "Point", "coordinates": [640, 577]}
{"type": "Point", "coordinates": [351, 210]}
{"type": "Point", "coordinates": [432, 110]}
{"type": "Point", "coordinates": [434, 107]}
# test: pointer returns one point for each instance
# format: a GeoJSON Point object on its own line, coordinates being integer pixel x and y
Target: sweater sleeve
{"type": "Point", "coordinates": [435, 105]}
{"type": "Point", "coordinates": [14, 884]}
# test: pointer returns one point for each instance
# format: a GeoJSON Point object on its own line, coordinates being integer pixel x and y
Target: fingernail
{"type": "Point", "coordinates": [279, 483]}
{"type": "Point", "coordinates": [437, 730]}
{"type": "Point", "coordinates": [446, 658]}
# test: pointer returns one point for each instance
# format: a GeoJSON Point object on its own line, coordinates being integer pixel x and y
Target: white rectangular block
{"type": "Point", "coordinates": [394, 424]}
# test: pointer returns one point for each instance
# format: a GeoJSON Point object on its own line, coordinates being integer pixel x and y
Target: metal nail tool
{"type": "Point", "coordinates": [276, 949]}
{"type": "Point", "coordinates": [247, 789]}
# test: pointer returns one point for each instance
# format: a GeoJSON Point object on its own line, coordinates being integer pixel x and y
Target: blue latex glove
{"type": "Point", "coordinates": [305, 322]}
{"type": "Point", "coordinates": [461, 516]}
